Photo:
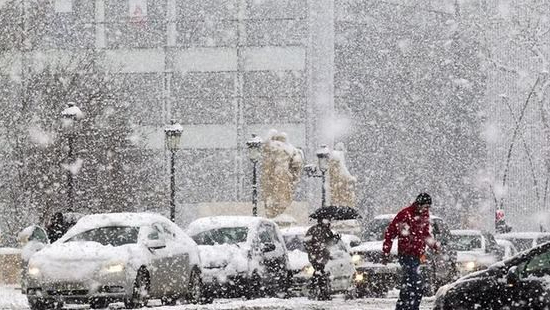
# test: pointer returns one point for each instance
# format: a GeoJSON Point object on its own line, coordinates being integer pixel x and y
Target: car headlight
{"type": "Point", "coordinates": [114, 267]}
{"type": "Point", "coordinates": [359, 277]}
{"type": "Point", "coordinates": [356, 259]}
{"type": "Point", "coordinates": [33, 270]}
{"type": "Point", "coordinates": [308, 270]}
{"type": "Point", "coordinates": [469, 266]}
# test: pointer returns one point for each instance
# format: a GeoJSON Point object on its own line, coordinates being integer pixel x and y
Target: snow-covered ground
{"type": "Point", "coordinates": [12, 299]}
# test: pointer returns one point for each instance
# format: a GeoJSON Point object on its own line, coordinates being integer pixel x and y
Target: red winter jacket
{"type": "Point", "coordinates": [412, 229]}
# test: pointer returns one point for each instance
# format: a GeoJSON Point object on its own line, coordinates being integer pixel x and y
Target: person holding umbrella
{"type": "Point", "coordinates": [317, 240]}
{"type": "Point", "coordinates": [412, 228]}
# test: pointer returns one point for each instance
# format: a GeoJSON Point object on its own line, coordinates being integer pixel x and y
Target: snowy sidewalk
{"type": "Point", "coordinates": [12, 299]}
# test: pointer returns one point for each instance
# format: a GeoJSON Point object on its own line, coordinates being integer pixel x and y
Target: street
{"type": "Point", "coordinates": [10, 298]}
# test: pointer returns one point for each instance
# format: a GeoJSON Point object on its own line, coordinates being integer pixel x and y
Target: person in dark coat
{"type": "Point", "coordinates": [412, 228]}
{"type": "Point", "coordinates": [317, 240]}
{"type": "Point", "coordinates": [57, 227]}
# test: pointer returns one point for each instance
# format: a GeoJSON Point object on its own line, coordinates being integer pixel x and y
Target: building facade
{"type": "Point", "coordinates": [394, 80]}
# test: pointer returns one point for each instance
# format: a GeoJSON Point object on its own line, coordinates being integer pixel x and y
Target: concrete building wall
{"type": "Point", "coordinates": [223, 68]}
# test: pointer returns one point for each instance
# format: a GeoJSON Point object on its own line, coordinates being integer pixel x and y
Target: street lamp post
{"type": "Point", "coordinates": [70, 115]}
{"type": "Point", "coordinates": [323, 156]}
{"type": "Point", "coordinates": [173, 137]}
{"type": "Point", "coordinates": [254, 153]}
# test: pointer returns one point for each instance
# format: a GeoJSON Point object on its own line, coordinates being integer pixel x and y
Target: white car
{"type": "Point", "coordinates": [340, 267]}
{"type": "Point", "coordinates": [476, 250]}
{"type": "Point", "coordinates": [350, 240]}
{"type": "Point", "coordinates": [241, 256]}
{"type": "Point", "coordinates": [116, 257]}
{"type": "Point", "coordinates": [525, 240]}
{"type": "Point", "coordinates": [508, 247]}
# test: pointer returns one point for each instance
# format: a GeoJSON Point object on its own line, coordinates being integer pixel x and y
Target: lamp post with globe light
{"type": "Point", "coordinates": [173, 137]}
{"type": "Point", "coordinates": [70, 116]}
{"type": "Point", "coordinates": [323, 155]}
{"type": "Point", "coordinates": [254, 153]}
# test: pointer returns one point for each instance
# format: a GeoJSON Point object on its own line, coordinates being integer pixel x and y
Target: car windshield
{"type": "Point", "coordinates": [223, 235]}
{"type": "Point", "coordinates": [112, 235]}
{"type": "Point", "coordinates": [294, 242]}
{"type": "Point", "coordinates": [375, 229]}
{"type": "Point", "coordinates": [465, 242]}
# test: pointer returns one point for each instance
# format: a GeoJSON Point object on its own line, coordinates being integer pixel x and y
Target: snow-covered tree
{"type": "Point", "coordinates": [514, 38]}
{"type": "Point", "coordinates": [109, 173]}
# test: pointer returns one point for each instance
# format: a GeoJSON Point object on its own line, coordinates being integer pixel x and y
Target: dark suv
{"type": "Point", "coordinates": [376, 279]}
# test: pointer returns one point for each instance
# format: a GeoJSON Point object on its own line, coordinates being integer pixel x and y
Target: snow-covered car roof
{"type": "Point", "coordinates": [294, 230]}
{"type": "Point", "coordinates": [384, 216]}
{"type": "Point", "coordinates": [373, 246]}
{"type": "Point", "coordinates": [465, 232]}
{"type": "Point", "coordinates": [211, 222]}
{"type": "Point", "coordinates": [391, 216]}
{"type": "Point", "coordinates": [504, 242]}
{"type": "Point", "coordinates": [113, 219]}
{"type": "Point", "coordinates": [522, 235]}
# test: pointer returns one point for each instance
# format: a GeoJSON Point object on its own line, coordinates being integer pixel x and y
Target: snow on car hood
{"type": "Point", "coordinates": [374, 246]}
{"type": "Point", "coordinates": [231, 257]}
{"type": "Point", "coordinates": [297, 260]}
{"type": "Point", "coordinates": [77, 260]}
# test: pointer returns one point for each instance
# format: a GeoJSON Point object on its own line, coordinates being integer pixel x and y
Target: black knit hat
{"type": "Point", "coordinates": [423, 199]}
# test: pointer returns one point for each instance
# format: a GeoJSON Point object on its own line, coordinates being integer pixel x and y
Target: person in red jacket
{"type": "Point", "coordinates": [411, 226]}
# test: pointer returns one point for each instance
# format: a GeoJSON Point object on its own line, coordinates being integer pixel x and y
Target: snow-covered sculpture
{"type": "Point", "coordinates": [281, 169]}
{"type": "Point", "coordinates": [342, 183]}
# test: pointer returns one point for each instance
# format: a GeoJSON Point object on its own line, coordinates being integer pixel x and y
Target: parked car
{"type": "Point", "coordinates": [520, 282]}
{"type": "Point", "coordinates": [376, 279]}
{"type": "Point", "coordinates": [525, 240]}
{"type": "Point", "coordinates": [476, 250]}
{"type": "Point", "coordinates": [340, 268]}
{"type": "Point", "coordinates": [241, 256]}
{"type": "Point", "coordinates": [347, 227]}
{"type": "Point", "coordinates": [350, 240]}
{"type": "Point", "coordinates": [508, 248]}
{"type": "Point", "coordinates": [31, 240]}
{"type": "Point", "coordinates": [116, 257]}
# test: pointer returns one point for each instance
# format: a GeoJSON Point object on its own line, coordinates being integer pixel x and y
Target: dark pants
{"type": "Point", "coordinates": [319, 280]}
{"type": "Point", "coordinates": [411, 284]}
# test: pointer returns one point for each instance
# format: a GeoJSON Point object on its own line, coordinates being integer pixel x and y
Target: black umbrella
{"type": "Point", "coordinates": [338, 213]}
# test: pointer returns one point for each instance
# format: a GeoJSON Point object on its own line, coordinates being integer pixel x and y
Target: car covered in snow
{"type": "Point", "coordinates": [350, 240]}
{"type": "Point", "coordinates": [375, 278]}
{"type": "Point", "coordinates": [115, 257]}
{"type": "Point", "coordinates": [521, 282]}
{"type": "Point", "coordinates": [340, 268]}
{"type": "Point", "coordinates": [241, 256]}
{"type": "Point", "coordinates": [476, 250]}
{"type": "Point", "coordinates": [525, 240]}
{"type": "Point", "coordinates": [508, 247]}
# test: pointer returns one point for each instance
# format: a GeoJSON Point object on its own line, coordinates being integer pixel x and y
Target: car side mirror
{"type": "Point", "coordinates": [268, 247]}
{"type": "Point", "coordinates": [512, 277]}
{"type": "Point", "coordinates": [435, 229]}
{"type": "Point", "coordinates": [155, 243]}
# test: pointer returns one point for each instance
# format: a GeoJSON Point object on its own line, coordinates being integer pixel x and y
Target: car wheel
{"type": "Point", "coordinates": [140, 291]}
{"type": "Point", "coordinates": [38, 305]}
{"type": "Point", "coordinates": [196, 293]}
{"type": "Point", "coordinates": [168, 300]}
{"type": "Point", "coordinates": [255, 288]}
{"type": "Point", "coordinates": [99, 303]}
{"type": "Point", "coordinates": [351, 293]}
